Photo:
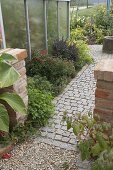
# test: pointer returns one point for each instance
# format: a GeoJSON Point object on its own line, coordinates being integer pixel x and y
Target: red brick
{"type": "Point", "coordinates": [102, 103]}
{"type": "Point", "coordinates": [104, 85]}
{"type": "Point", "coordinates": [104, 70]}
{"type": "Point", "coordinates": [106, 115]}
{"type": "Point", "coordinates": [20, 54]}
{"type": "Point", "coordinates": [19, 65]}
{"type": "Point", "coordinates": [104, 94]}
{"type": "Point", "coordinates": [23, 94]}
{"type": "Point", "coordinates": [22, 71]}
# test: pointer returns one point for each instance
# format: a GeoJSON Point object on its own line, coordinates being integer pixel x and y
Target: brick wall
{"type": "Point", "coordinates": [20, 87]}
{"type": "Point", "coordinates": [104, 90]}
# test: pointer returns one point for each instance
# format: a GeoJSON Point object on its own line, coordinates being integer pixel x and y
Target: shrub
{"type": "Point", "coordinates": [78, 34]}
{"type": "Point", "coordinates": [93, 28]}
{"type": "Point", "coordinates": [57, 71]}
{"type": "Point", "coordinates": [98, 35]}
{"type": "Point", "coordinates": [40, 107]}
{"type": "Point", "coordinates": [40, 83]}
{"type": "Point", "coordinates": [84, 56]}
{"type": "Point", "coordinates": [63, 50]}
{"type": "Point", "coordinates": [77, 22]}
{"type": "Point", "coordinates": [52, 68]}
{"type": "Point", "coordinates": [94, 139]}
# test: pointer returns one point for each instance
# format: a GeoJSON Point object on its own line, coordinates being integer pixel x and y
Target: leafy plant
{"type": "Point", "coordinates": [57, 71]}
{"type": "Point", "coordinates": [92, 29]}
{"type": "Point", "coordinates": [64, 50]}
{"type": "Point", "coordinates": [78, 34]}
{"type": "Point", "coordinates": [83, 51]}
{"type": "Point", "coordinates": [40, 83]}
{"type": "Point", "coordinates": [8, 76]}
{"type": "Point", "coordinates": [94, 139]}
{"type": "Point", "coordinates": [40, 107]}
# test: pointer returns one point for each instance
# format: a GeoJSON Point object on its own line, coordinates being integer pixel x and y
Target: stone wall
{"type": "Point", "coordinates": [20, 87]}
{"type": "Point", "coordinates": [104, 90]}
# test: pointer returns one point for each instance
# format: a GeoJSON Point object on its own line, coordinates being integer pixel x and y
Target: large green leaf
{"type": "Point", "coordinates": [8, 75]}
{"type": "Point", "coordinates": [14, 101]}
{"type": "Point", "coordinates": [7, 57]}
{"type": "Point", "coordinates": [4, 119]}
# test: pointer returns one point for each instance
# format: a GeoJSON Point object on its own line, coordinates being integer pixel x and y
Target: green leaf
{"type": "Point", "coordinates": [69, 121]}
{"type": "Point", "coordinates": [76, 129]}
{"type": "Point", "coordinates": [14, 101]}
{"type": "Point", "coordinates": [96, 149]}
{"type": "Point", "coordinates": [4, 119]}
{"type": "Point", "coordinates": [7, 57]}
{"type": "Point", "coordinates": [84, 147]}
{"type": "Point", "coordinates": [8, 75]}
{"type": "Point", "coordinates": [102, 142]}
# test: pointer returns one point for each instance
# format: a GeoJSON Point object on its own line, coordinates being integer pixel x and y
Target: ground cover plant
{"type": "Point", "coordinates": [95, 139]}
{"type": "Point", "coordinates": [93, 28]}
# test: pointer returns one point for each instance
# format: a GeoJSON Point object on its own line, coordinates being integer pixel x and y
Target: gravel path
{"type": "Point", "coordinates": [55, 149]}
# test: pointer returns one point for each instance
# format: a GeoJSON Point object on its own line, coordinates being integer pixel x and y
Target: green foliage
{"type": "Point", "coordinates": [8, 74]}
{"type": "Point", "coordinates": [77, 34]}
{"type": "Point", "coordinates": [52, 68]}
{"type": "Point", "coordinates": [8, 77]}
{"type": "Point", "coordinates": [105, 161]}
{"type": "Point", "coordinates": [83, 51]}
{"type": "Point", "coordinates": [10, 98]}
{"type": "Point", "coordinates": [57, 71]}
{"type": "Point", "coordinates": [40, 83]}
{"type": "Point", "coordinates": [94, 139]}
{"type": "Point", "coordinates": [84, 56]}
{"type": "Point", "coordinates": [22, 132]}
{"type": "Point", "coordinates": [4, 119]}
{"type": "Point", "coordinates": [77, 22]}
{"type": "Point", "coordinates": [40, 107]}
{"type": "Point", "coordinates": [94, 28]}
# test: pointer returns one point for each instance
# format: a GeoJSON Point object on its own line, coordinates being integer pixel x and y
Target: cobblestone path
{"type": "Point", "coordinates": [55, 149]}
{"type": "Point", "coordinates": [78, 97]}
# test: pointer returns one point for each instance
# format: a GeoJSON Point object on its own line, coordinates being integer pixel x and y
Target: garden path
{"type": "Point", "coordinates": [78, 97]}
{"type": "Point", "coordinates": [55, 149]}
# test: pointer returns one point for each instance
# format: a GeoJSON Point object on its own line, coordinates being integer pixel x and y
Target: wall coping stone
{"type": "Point", "coordinates": [19, 54]}
{"type": "Point", "coordinates": [104, 70]}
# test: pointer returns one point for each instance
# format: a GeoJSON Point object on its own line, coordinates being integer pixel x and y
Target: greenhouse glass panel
{"type": "Point", "coordinates": [36, 19]}
{"type": "Point", "coordinates": [14, 23]}
{"type": "Point", "coordinates": [52, 22]}
{"type": "Point", "coordinates": [63, 19]}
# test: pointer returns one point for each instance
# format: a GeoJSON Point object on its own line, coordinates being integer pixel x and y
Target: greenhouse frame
{"type": "Point", "coordinates": [44, 21]}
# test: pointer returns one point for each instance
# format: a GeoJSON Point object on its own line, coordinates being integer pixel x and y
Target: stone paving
{"type": "Point", "coordinates": [78, 97]}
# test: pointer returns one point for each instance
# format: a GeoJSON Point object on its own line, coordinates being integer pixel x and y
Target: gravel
{"type": "Point", "coordinates": [33, 155]}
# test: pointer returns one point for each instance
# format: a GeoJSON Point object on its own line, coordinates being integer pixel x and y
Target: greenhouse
{"type": "Point", "coordinates": [42, 21]}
